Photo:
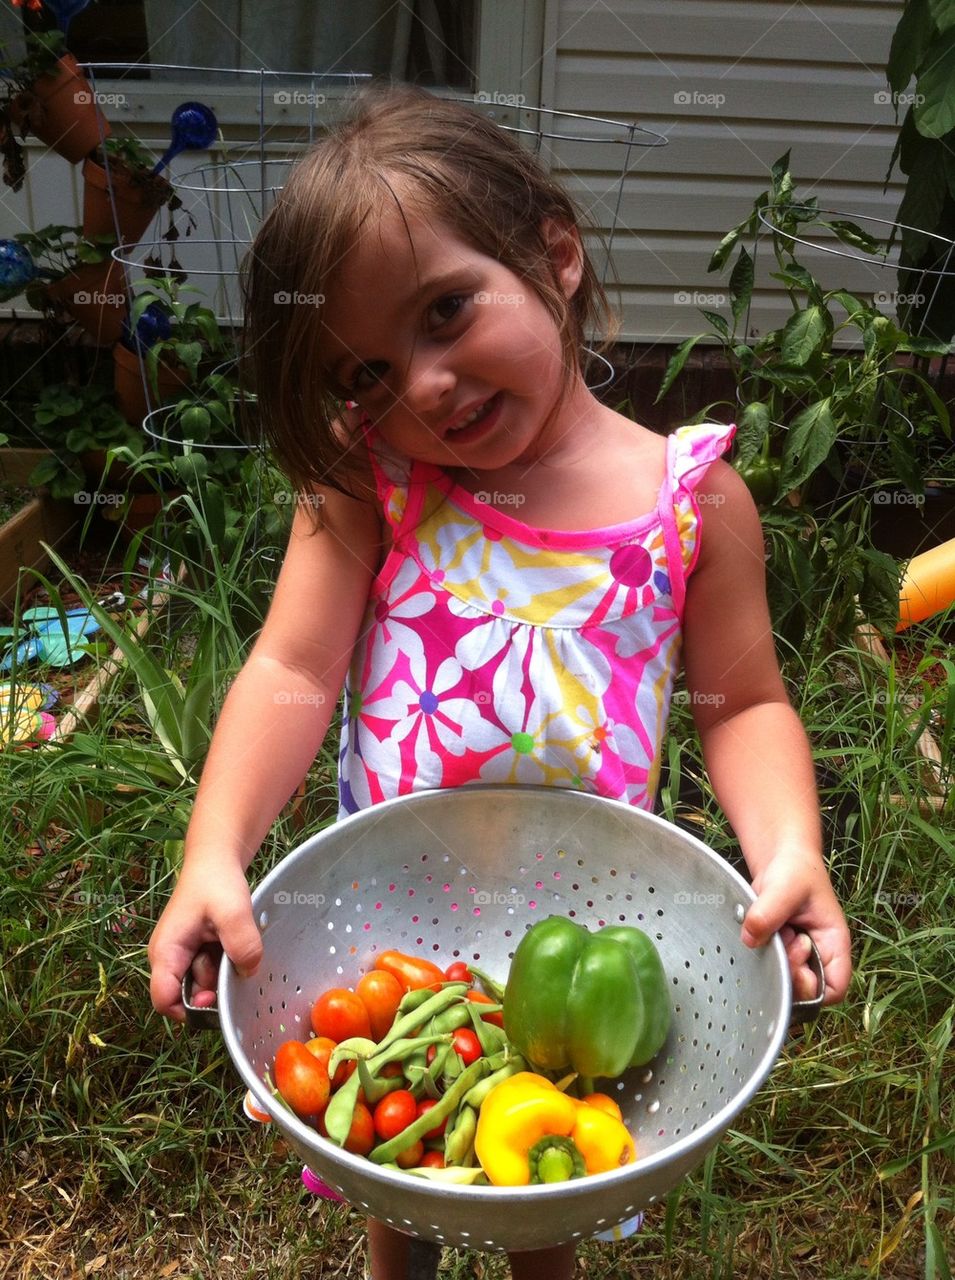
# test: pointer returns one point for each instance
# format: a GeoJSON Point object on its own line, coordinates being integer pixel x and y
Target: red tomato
{"type": "Point", "coordinates": [478, 997]}
{"type": "Point", "coordinates": [466, 1045]}
{"type": "Point", "coordinates": [394, 1113]}
{"type": "Point", "coordinates": [361, 1135]}
{"type": "Point", "coordinates": [301, 1079]}
{"type": "Point", "coordinates": [459, 972]}
{"type": "Point", "coordinates": [429, 1056]}
{"type": "Point", "coordinates": [431, 1160]}
{"type": "Point", "coordinates": [339, 1014]}
{"type": "Point", "coordinates": [425, 1105]}
{"type": "Point", "coordinates": [381, 994]}
{"type": "Point", "coordinates": [411, 1157]}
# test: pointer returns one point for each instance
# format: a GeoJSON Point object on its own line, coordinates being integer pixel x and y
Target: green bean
{"type": "Point", "coordinates": [476, 1096]}
{"type": "Point", "coordinates": [443, 1108]}
{"type": "Point", "coordinates": [494, 989]}
{"type": "Point", "coordinates": [417, 1017]}
{"type": "Point", "coordinates": [459, 1141]}
{"type": "Point", "coordinates": [459, 1015]}
{"type": "Point", "coordinates": [341, 1107]}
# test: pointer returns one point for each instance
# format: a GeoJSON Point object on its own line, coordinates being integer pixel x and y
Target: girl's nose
{"type": "Point", "coordinates": [429, 383]}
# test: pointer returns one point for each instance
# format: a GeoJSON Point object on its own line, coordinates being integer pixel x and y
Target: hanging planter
{"type": "Point", "coordinates": [130, 390]}
{"type": "Point", "coordinates": [94, 293]}
{"type": "Point", "coordinates": [59, 107]}
{"type": "Point", "coordinates": [121, 198]}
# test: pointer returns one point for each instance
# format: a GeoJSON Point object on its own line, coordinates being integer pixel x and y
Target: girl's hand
{"type": "Point", "coordinates": [210, 904]}
{"type": "Point", "coordinates": [794, 896]}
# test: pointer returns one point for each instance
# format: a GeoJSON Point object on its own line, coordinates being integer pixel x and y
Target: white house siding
{"type": "Point", "coordinates": [732, 86]}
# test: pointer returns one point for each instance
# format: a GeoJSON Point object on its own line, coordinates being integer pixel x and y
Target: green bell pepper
{"type": "Point", "coordinates": [596, 1003]}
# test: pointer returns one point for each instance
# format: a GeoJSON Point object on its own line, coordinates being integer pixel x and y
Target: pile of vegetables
{"type": "Point", "coordinates": [419, 1069]}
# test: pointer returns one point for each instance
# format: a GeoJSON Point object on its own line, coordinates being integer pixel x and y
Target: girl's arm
{"type": "Point", "coordinates": [754, 746]}
{"type": "Point", "coordinates": [272, 725]}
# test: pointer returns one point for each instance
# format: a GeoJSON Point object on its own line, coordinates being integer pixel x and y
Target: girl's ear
{"type": "Point", "coordinates": [562, 241]}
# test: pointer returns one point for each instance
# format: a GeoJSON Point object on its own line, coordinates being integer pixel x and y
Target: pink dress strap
{"type": "Point", "coordinates": [690, 451]}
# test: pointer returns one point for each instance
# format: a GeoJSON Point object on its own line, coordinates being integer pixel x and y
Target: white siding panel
{"type": "Point", "coordinates": [731, 85]}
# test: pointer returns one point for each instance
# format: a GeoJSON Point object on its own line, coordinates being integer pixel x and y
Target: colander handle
{"type": "Point", "coordinates": [808, 1010]}
{"type": "Point", "coordinates": [197, 1019]}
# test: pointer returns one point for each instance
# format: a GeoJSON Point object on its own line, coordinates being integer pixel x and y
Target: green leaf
{"type": "Point", "coordinates": [945, 1143]}
{"type": "Point", "coordinates": [943, 14]}
{"type": "Point", "coordinates": [741, 283]}
{"type": "Point", "coordinates": [161, 692]}
{"type": "Point", "coordinates": [751, 430]}
{"type": "Point", "coordinates": [675, 365]}
{"type": "Point", "coordinates": [909, 42]}
{"type": "Point", "coordinates": [725, 247]}
{"type": "Point", "coordinates": [923, 201]}
{"type": "Point", "coordinates": [849, 303]}
{"type": "Point", "coordinates": [934, 106]}
{"type": "Point", "coordinates": [718, 323]}
{"type": "Point", "coordinates": [797, 277]}
{"type": "Point", "coordinates": [780, 168]}
{"type": "Point", "coordinates": [851, 234]}
{"type": "Point", "coordinates": [924, 346]}
{"type": "Point", "coordinates": [879, 591]}
{"type": "Point", "coordinates": [804, 335]}
{"type": "Point", "coordinates": [811, 435]}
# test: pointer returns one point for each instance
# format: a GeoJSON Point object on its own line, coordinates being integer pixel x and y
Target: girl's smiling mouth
{"type": "Point", "coordinates": [475, 423]}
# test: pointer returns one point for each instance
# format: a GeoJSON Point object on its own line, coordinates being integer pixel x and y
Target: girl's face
{"type": "Point", "coordinates": [455, 359]}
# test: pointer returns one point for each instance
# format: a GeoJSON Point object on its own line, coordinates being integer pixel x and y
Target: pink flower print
{"type": "Point", "coordinates": [396, 618]}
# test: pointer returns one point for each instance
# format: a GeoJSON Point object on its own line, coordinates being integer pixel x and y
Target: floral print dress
{"type": "Point", "coordinates": [496, 652]}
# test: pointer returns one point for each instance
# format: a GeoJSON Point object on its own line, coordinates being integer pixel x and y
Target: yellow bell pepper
{"type": "Point", "coordinates": [529, 1131]}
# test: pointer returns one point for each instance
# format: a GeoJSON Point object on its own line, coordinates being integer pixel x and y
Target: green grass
{"type": "Point", "coordinates": [126, 1151]}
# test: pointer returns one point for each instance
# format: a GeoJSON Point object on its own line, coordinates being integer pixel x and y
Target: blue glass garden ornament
{"type": "Point", "coordinates": [152, 326]}
{"type": "Point", "coordinates": [65, 11]}
{"type": "Point", "coordinates": [17, 268]}
{"type": "Point", "coordinates": [194, 127]}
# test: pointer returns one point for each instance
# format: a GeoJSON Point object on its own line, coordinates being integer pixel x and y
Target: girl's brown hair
{"type": "Point", "coordinates": [455, 164]}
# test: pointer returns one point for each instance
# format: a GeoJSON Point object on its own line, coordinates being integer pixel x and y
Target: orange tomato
{"type": "Point", "coordinates": [603, 1103]}
{"type": "Point", "coordinates": [301, 1079]}
{"type": "Point", "coordinates": [411, 1157]}
{"type": "Point", "coordinates": [323, 1047]}
{"type": "Point", "coordinates": [361, 1135]}
{"type": "Point", "coordinates": [339, 1014]}
{"type": "Point", "coordinates": [380, 993]}
{"type": "Point", "coordinates": [478, 997]}
{"type": "Point", "coordinates": [411, 971]}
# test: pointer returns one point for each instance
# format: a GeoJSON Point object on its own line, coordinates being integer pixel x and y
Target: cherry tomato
{"type": "Point", "coordinates": [411, 971]}
{"type": "Point", "coordinates": [339, 1014]}
{"type": "Point", "coordinates": [603, 1103]}
{"type": "Point", "coordinates": [391, 1070]}
{"type": "Point", "coordinates": [301, 1079]}
{"type": "Point", "coordinates": [380, 993]}
{"type": "Point", "coordinates": [430, 1055]}
{"type": "Point", "coordinates": [478, 997]}
{"type": "Point", "coordinates": [425, 1105]}
{"type": "Point", "coordinates": [459, 972]}
{"type": "Point", "coordinates": [323, 1048]}
{"type": "Point", "coordinates": [361, 1135]}
{"type": "Point", "coordinates": [411, 1157]}
{"type": "Point", "coordinates": [466, 1045]}
{"type": "Point", "coordinates": [431, 1160]}
{"type": "Point", "coordinates": [394, 1113]}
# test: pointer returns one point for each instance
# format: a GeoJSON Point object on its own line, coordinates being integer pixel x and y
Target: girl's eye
{"type": "Point", "coordinates": [446, 309]}
{"type": "Point", "coordinates": [365, 377]}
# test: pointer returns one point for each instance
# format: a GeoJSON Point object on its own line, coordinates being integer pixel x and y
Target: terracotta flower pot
{"type": "Point", "coordinates": [95, 296]}
{"type": "Point", "coordinates": [128, 386]}
{"type": "Point", "coordinates": [61, 111]}
{"type": "Point", "coordinates": [136, 201]}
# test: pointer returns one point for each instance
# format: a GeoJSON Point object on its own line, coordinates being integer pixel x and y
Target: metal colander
{"type": "Point", "coordinates": [461, 874]}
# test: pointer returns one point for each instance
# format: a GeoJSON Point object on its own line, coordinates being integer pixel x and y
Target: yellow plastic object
{"type": "Point", "coordinates": [928, 585]}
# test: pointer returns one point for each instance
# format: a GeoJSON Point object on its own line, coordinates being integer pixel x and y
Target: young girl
{"type": "Point", "coordinates": [503, 573]}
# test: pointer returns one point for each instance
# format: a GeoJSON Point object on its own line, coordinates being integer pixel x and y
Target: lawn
{"type": "Point", "coordinates": [127, 1151]}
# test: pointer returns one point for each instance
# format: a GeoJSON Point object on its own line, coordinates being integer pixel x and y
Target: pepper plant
{"type": "Point", "coordinates": [826, 393]}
